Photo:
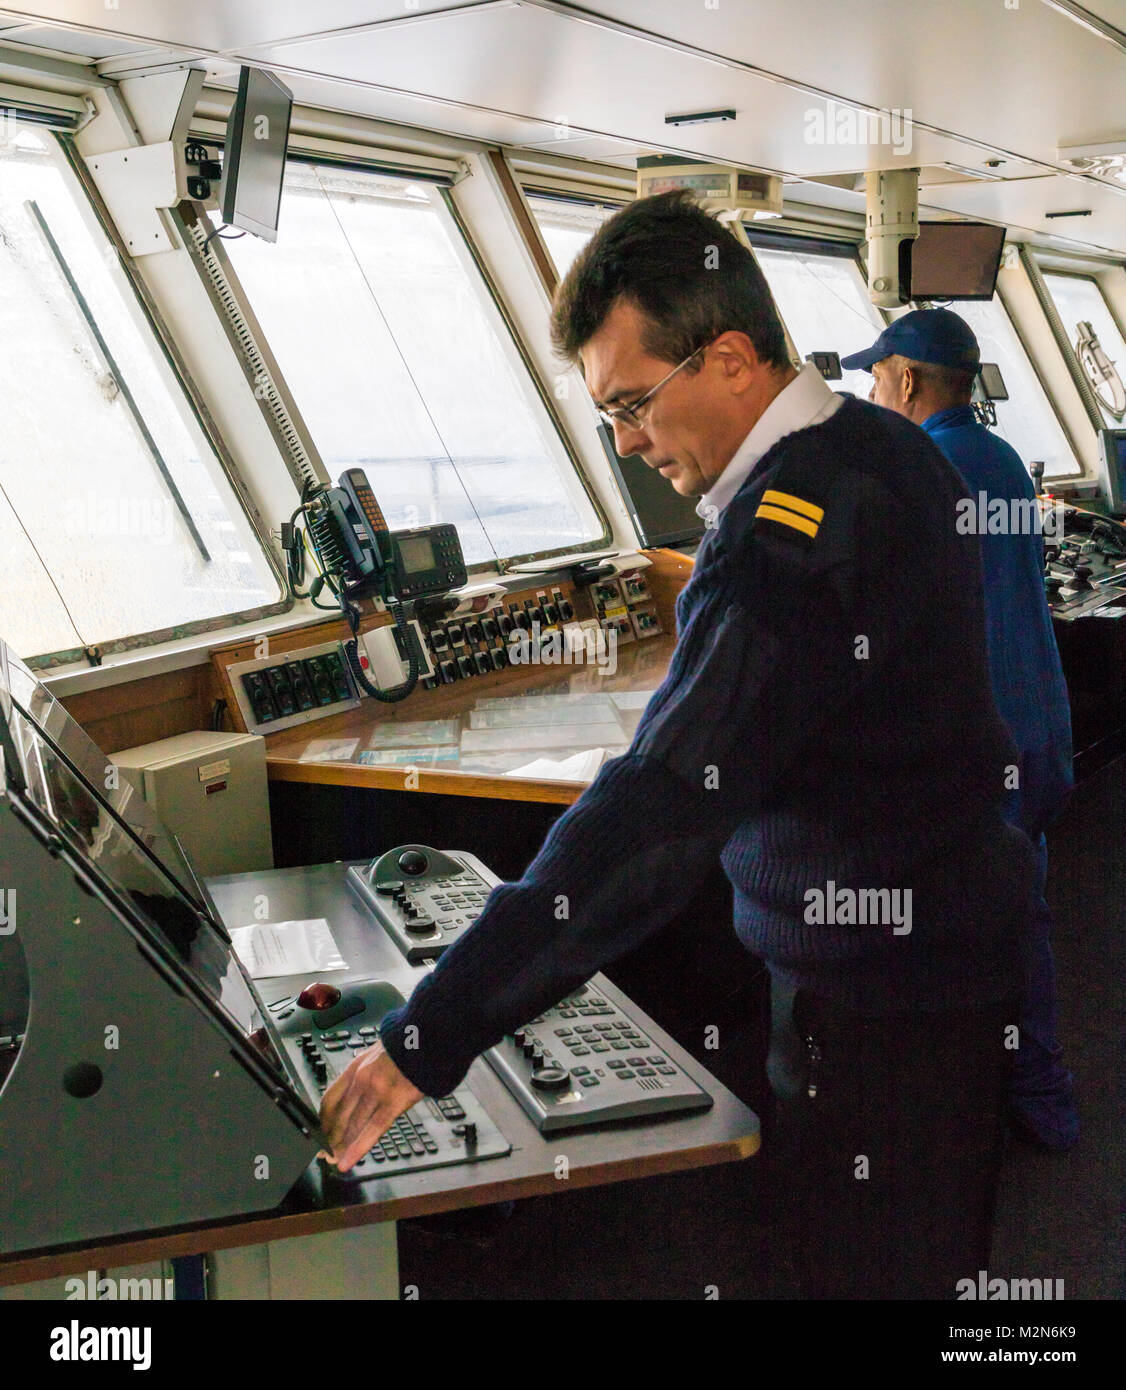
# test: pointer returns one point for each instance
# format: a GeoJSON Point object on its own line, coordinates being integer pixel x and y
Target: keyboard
{"type": "Point", "coordinates": [585, 1062]}
{"type": "Point", "coordinates": [432, 1134]}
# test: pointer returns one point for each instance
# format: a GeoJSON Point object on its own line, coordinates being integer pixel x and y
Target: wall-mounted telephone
{"type": "Point", "coordinates": [362, 558]}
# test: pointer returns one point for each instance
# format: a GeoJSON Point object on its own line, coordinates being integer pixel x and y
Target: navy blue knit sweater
{"type": "Point", "coordinates": [826, 728]}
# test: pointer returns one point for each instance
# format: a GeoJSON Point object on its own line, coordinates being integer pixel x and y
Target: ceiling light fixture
{"type": "Point", "coordinates": [701, 117]}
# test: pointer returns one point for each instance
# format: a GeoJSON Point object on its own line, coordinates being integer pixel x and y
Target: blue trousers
{"type": "Point", "coordinates": [1041, 1087]}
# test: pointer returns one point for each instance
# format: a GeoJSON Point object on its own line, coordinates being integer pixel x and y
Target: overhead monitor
{"type": "Point", "coordinates": [955, 260]}
{"type": "Point", "coordinates": [660, 514]}
{"type": "Point", "coordinates": [254, 155]}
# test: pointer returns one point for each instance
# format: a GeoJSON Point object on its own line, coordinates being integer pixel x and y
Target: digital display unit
{"type": "Point", "coordinates": [991, 383]}
{"type": "Point", "coordinates": [64, 786]}
{"type": "Point", "coordinates": [254, 154]}
{"type": "Point", "coordinates": [417, 553]}
{"type": "Point", "coordinates": [661, 515]}
{"type": "Point", "coordinates": [955, 260]}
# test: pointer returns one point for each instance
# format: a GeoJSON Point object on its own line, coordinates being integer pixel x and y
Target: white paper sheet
{"type": "Point", "coordinates": [582, 767]}
{"type": "Point", "coordinates": [267, 949]}
{"type": "Point", "coordinates": [631, 699]}
{"type": "Point", "coordinates": [329, 750]}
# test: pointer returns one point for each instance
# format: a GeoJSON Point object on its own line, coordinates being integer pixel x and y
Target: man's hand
{"type": "Point", "coordinates": [363, 1103]}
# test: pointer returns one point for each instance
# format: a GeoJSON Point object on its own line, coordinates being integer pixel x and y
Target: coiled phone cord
{"type": "Point", "coordinates": [352, 651]}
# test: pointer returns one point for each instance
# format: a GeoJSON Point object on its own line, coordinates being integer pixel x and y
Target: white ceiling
{"type": "Point", "coordinates": [980, 79]}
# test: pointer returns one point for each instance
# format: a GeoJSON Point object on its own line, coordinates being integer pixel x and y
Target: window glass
{"type": "Point", "coordinates": [401, 365]}
{"type": "Point", "coordinates": [1078, 299]}
{"type": "Point", "coordinates": [825, 306]}
{"type": "Point", "coordinates": [115, 516]}
{"type": "Point", "coordinates": [567, 226]}
{"type": "Point", "coordinates": [1026, 420]}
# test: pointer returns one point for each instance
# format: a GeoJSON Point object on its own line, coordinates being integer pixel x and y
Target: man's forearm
{"type": "Point", "coordinates": [618, 866]}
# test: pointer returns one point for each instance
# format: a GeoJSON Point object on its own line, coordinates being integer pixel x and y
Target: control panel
{"type": "Point", "coordinates": [625, 606]}
{"type": "Point", "coordinates": [422, 898]}
{"type": "Point", "coordinates": [324, 1027]}
{"type": "Point", "coordinates": [277, 692]}
{"type": "Point", "coordinates": [479, 635]}
{"type": "Point", "coordinates": [585, 1062]}
{"type": "Point", "coordinates": [1085, 568]}
{"type": "Point", "coordinates": [498, 637]}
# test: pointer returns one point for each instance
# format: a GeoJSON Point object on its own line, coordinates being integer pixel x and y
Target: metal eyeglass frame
{"type": "Point", "coordinates": [627, 414]}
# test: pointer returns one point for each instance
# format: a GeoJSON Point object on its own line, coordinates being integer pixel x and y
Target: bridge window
{"type": "Point", "coordinates": [401, 364]}
{"type": "Point", "coordinates": [824, 304]}
{"type": "Point", "coordinates": [1078, 299]}
{"type": "Point", "coordinates": [1026, 420]}
{"type": "Point", "coordinates": [116, 516]}
{"type": "Point", "coordinates": [567, 225]}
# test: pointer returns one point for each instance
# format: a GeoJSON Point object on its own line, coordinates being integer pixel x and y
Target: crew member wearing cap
{"type": "Point", "coordinates": [924, 366]}
{"type": "Point", "coordinates": [825, 731]}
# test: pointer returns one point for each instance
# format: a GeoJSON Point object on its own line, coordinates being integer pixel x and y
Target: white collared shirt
{"type": "Point", "coordinates": [806, 401]}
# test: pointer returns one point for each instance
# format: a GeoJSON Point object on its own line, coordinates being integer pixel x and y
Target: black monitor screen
{"type": "Point", "coordinates": [955, 260]}
{"type": "Point", "coordinates": [254, 156]}
{"type": "Point", "coordinates": [65, 783]}
{"type": "Point", "coordinates": [660, 514]}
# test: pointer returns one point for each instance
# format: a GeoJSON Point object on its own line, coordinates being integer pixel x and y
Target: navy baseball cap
{"type": "Point", "coordinates": [923, 335]}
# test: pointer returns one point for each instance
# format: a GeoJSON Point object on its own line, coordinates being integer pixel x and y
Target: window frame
{"type": "Point", "coordinates": [799, 242]}
{"type": "Point", "coordinates": [503, 564]}
{"type": "Point", "coordinates": [151, 319]}
{"type": "Point", "coordinates": [1063, 340]}
{"type": "Point", "coordinates": [1058, 479]}
{"type": "Point", "coordinates": [515, 349]}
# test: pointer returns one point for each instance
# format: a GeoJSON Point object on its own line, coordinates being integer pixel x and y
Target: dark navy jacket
{"type": "Point", "coordinates": [1024, 662]}
{"type": "Point", "coordinates": [826, 728]}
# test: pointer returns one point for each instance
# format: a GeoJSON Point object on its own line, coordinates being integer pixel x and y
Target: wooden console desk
{"type": "Point", "coordinates": [298, 755]}
{"type": "Point", "coordinates": [291, 755]}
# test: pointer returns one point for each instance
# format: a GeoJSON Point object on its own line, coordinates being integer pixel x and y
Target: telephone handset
{"type": "Point", "coordinates": [376, 555]}
{"type": "Point", "coordinates": [366, 559]}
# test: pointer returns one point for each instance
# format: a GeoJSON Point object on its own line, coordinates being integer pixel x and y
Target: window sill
{"type": "Point", "coordinates": [123, 667]}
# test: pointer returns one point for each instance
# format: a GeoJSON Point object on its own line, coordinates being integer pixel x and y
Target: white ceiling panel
{"type": "Point", "coordinates": [979, 78]}
{"type": "Point", "coordinates": [67, 41]}
{"type": "Point", "coordinates": [217, 25]}
{"type": "Point", "coordinates": [1023, 204]}
{"type": "Point", "coordinates": [1025, 79]}
{"type": "Point", "coordinates": [1112, 11]}
{"type": "Point", "coordinates": [598, 83]}
{"type": "Point", "coordinates": [407, 109]}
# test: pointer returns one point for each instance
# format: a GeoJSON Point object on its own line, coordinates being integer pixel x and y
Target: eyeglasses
{"type": "Point", "coordinates": [631, 414]}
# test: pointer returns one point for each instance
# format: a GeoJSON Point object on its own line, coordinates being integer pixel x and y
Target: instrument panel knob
{"type": "Point", "coordinates": [551, 1078]}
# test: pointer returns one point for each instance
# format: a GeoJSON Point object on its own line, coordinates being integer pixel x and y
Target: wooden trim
{"type": "Point", "coordinates": [525, 220]}
{"type": "Point", "coordinates": [440, 783]}
{"type": "Point", "coordinates": [142, 711]}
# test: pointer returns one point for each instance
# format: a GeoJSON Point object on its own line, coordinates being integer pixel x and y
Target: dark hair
{"type": "Point", "coordinates": [689, 275]}
{"type": "Point", "coordinates": [954, 383]}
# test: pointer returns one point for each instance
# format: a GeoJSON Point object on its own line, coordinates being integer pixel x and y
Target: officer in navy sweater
{"type": "Point", "coordinates": [923, 367]}
{"type": "Point", "coordinates": [826, 730]}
